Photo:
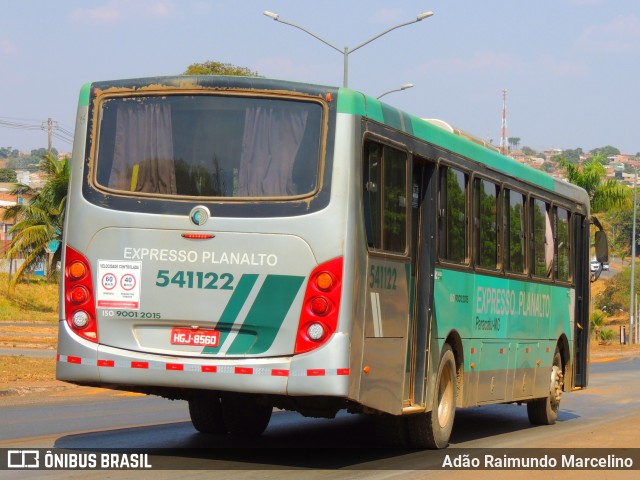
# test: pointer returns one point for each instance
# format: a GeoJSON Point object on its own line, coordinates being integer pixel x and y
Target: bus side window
{"type": "Point", "coordinates": [563, 245]}
{"type": "Point", "coordinates": [514, 231]}
{"type": "Point", "coordinates": [485, 208]}
{"type": "Point", "coordinates": [543, 245]}
{"type": "Point", "coordinates": [385, 197]}
{"type": "Point", "coordinates": [371, 194]}
{"type": "Point", "coordinates": [452, 218]}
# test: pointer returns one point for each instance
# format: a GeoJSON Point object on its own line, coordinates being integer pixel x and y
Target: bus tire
{"type": "Point", "coordinates": [206, 413]}
{"type": "Point", "coordinates": [544, 411]}
{"type": "Point", "coordinates": [433, 429]}
{"type": "Point", "coordinates": [244, 415]}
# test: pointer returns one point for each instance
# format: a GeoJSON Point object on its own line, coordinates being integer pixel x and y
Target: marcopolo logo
{"type": "Point", "coordinates": [199, 215]}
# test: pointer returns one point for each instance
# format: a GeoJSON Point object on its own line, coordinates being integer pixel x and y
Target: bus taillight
{"type": "Point", "coordinates": [319, 316]}
{"type": "Point", "coordinates": [80, 310]}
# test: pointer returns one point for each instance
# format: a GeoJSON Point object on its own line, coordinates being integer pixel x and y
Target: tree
{"type": "Point", "coordinates": [8, 152]}
{"type": "Point", "coordinates": [607, 151]}
{"type": "Point", "coordinates": [41, 152]}
{"type": "Point", "coordinates": [604, 193]}
{"type": "Point", "coordinates": [619, 225]}
{"type": "Point", "coordinates": [572, 156]}
{"type": "Point", "coordinates": [8, 175]}
{"type": "Point", "coordinates": [529, 151]}
{"type": "Point", "coordinates": [514, 142]}
{"type": "Point", "coordinates": [598, 320]}
{"type": "Point", "coordinates": [40, 220]}
{"type": "Point", "coordinates": [217, 68]}
{"type": "Point", "coordinates": [616, 296]}
{"type": "Point", "coordinates": [548, 167]}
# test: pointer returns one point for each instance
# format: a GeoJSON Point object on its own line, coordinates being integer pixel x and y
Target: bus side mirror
{"type": "Point", "coordinates": [602, 247]}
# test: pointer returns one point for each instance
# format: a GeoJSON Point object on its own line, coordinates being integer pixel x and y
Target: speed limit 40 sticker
{"type": "Point", "coordinates": [119, 284]}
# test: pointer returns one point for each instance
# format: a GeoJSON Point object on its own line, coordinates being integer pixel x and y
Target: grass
{"type": "Point", "coordinates": [35, 305]}
{"type": "Point", "coordinates": [35, 302]}
{"type": "Point", "coordinates": [26, 369]}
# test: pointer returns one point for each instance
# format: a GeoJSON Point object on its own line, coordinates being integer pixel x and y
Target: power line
{"type": "Point", "coordinates": [23, 119]}
{"type": "Point", "coordinates": [19, 126]}
{"type": "Point", "coordinates": [52, 127]}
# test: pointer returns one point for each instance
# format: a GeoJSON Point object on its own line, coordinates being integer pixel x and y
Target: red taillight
{"type": "Point", "coordinates": [80, 310]}
{"type": "Point", "coordinates": [79, 294]}
{"type": "Point", "coordinates": [319, 306]}
{"type": "Point", "coordinates": [319, 316]}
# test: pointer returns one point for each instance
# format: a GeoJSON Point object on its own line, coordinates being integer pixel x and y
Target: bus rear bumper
{"type": "Point", "coordinates": [318, 373]}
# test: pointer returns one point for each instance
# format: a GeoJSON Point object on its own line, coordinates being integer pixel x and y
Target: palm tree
{"type": "Point", "coordinates": [40, 220]}
{"type": "Point", "coordinates": [604, 193]}
{"type": "Point", "coordinates": [598, 320]}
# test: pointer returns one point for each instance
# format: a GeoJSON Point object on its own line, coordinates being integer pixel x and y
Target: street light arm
{"type": "Point", "coordinates": [345, 52]}
{"type": "Point", "coordinates": [420, 17]}
{"type": "Point", "coordinates": [277, 18]}
{"type": "Point", "coordinates": [403, 87]}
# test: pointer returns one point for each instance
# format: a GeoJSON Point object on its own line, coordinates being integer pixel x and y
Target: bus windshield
{"type": "Point", "coordinates": [208, 146]}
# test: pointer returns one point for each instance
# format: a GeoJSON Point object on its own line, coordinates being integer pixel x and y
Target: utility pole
{"type": "Point", "coordinates": [49, 134]}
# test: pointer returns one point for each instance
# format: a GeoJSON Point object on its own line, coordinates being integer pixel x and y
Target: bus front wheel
{"type": "Point", "coordinates": [544, 411]}
{"type": "Point", "coordinates": [433, 429]}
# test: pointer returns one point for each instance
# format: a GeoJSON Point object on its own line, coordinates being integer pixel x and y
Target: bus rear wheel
{"type": "Point", "coordinates": [433, 429]}
{"type": "Point", "coordinates": [206, 413]}
{"type": "Point", "coordinates": [544, 411]}
{"type": "Point", "coordinates": [244, 415]}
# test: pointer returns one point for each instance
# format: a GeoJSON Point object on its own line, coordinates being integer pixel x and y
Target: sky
{"type": "Point", "coordinates": [571, 68]}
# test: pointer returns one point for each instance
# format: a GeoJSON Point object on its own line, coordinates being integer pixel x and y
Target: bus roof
{"type": "Point", "coordinates": [352, 102]}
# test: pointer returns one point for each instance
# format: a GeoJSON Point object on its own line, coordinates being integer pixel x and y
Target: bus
{"type": "Point", "coordinates": [246, 244]}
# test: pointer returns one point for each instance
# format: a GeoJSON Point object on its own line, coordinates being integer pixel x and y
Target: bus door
{"type": "Point", "coordinates": [581, 323]}
{"type": "Point", "coordinates": [393, 338]}
{"type": "Point", "coordinates": [386, 207]}
{"type": "Point", "coordinates": [421, 289]}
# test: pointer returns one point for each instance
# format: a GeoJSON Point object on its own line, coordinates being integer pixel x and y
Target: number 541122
{"type": "Point", "coordinates": [202, 280]}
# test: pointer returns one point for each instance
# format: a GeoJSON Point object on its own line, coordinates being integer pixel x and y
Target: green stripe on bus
{"type": "Point", "coordinates": [396, 118]}
{"type": "Point", "coordinates": [351, 102]}
{"type": "Point", "coordinates": [85, 92]}
{"type": "Point", "coordinates": [232, 310]}
{"type": "Point", "coordinates": [267, 314]}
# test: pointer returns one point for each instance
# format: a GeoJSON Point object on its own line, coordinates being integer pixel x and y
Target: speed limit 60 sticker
{"type": "Point", "coordinates": [119, 284]}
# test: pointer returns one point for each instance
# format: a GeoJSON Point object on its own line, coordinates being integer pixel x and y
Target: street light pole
{"type": "Point", "coordinates": [632, 319]}
{"type": "Point", "coordinates": [346, 51]}
{"type": "Point", "coordinates": [403, 87]}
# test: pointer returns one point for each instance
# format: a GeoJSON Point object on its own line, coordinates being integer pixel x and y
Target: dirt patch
{"type": "Point", "coordinates": [26, 369]}
{"type": "Point", "coordinates": [612, 351]}
{"type": "Point", "coordinates": [29, 336]}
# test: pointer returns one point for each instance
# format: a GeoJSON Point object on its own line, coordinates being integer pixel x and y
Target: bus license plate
{"type": "Point", "coordinates": [197, 338]}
